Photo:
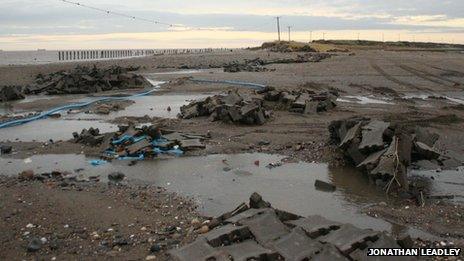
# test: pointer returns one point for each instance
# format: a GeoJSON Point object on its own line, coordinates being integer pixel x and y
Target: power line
{"type": "Point", "coordinates": [153, 21]}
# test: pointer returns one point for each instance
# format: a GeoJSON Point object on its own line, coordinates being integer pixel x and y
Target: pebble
{"type": "Point", "coordinates": [150, 258]}
{"type": "Point", "coordinates": [34, 245]}
{"type": "Point", "coordinates": [155, 248]}
{"type": "Point", "coordinates": [204, 229]}
{"type": "Point", "coordinates": [26, 175]}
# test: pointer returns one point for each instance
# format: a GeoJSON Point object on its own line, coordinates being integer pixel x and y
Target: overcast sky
{"type": "Point", "coordinates": [53, 24]}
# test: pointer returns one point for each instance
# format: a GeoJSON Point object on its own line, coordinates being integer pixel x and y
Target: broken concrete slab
{"type": "Point", "coordinates": [256, 201]}
{"type": "Point", "coordinates": [372, 160]}
{"type": "Point", "coordinates": [192, 144]}
{"type": "Point", "coordinates": [296, 246]}
{"type": "Point", "coordinates": [266, 227]}
{"type": "Point", "coordinates": [315, 226]}
{"type": "Point", "coordinates": [348, 237]}
{"type": "Point", "coordinates": [247, 214]}
{"type": "Point", "coordinates": [198, 250]}
{"type": "Point", "coordinates": [425, 136]}
{"type": "Point", "coordinates": [310, 107]}
{"type": "Point", "coordinates": [372, 136]}
{"type": "Point", "coordinates": [350, 135]}
{"type": "Point", "coordinates": [249, 250]}
{"type": "Point", "coordinates": [312, 238]}
{"type": "Point", "coordinates": [423, 151]}
{"type": "Point", "coordinates": [226, 235]}
{"type": "Point", "coordinates": [137, 147]}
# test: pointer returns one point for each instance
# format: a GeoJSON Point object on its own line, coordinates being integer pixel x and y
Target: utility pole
{"type": "Point", "coordinates": [323, 36]}
{"type": "Point", "coordinates": [383, 37]}
{"type": "Point", "coordinates": [358, 37]}
{"type": "Point", "coordinates": [289, 29]}
{"type": "Point", "coordinates": [310, 36]}
{"type": "Point", "coordinates": [278, 27]}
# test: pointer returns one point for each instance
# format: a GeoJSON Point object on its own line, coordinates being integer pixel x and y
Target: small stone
{"type": "Point", "coordinates": [155, 248]}
{"type": "Point", "coordinates": [26, 175]}
{"type": "Point", "coordinates": [116, 177]}
{"type": "Point", "coordinates": [203, 230]}
{"type": "Point", "coordinates": [34, 245]}
{"type": "Point", "coordinates": [150, 258]}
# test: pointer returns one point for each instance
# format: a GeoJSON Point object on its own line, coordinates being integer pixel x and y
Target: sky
{"type": "Point", "coordinates": [54, 24]}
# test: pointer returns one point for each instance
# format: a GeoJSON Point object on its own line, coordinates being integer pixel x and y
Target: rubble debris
{"type": "Point", "coordinates": [254, 65]}
{"type": "Point", "coordinates": [233, 107]}
{"type": "Point", "coordinates": [90, 137]}
{"type": "Point", "coordinates": [324, 186]}
{"type": "Point", "coordinates": [136, 143]}
{"type": "Point", "coordinates": [287, 47]}
{"type": "Point", "coordinates": [11, 93]}
{"type": "Point", "coordinates": [264, 234]}
{"type": "Point", "coordinates": [84, 80]}
{"type": "Point", "coordinates": [385, 151]}
{"type": "Point", "coordinates": [116, 177]}
{"type": "Point", "coordinates": [258, 64]}
{"type": "Point", "coordinates": [5, 149]}
{"type": "Point", "coordinates": [240, 107]}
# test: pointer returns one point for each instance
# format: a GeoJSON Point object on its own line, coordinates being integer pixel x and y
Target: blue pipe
{"type": "Point", "coordinates": [69, 107]}
{"type": "Point", "coordinates": [255, 86]}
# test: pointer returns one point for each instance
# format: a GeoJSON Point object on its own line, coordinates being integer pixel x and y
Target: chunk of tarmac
{"type": "Point", "coordinates": [262, 234]}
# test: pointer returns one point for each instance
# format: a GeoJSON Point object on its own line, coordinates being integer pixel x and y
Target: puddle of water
{"type": "Point", "coordinates": [364, 100]}
{"type": "Point", "coordinates": [289, 187]}
{"type": "Point", "coordinates": [445, 182]}
{"type": "Point", "coordinates": [451, 97]}
{"type": "Point", "coordinates": [151, 105]}
{"type": "Point", "coordinates": [56, 129]}
{"type": "Point", "coordinates": [176, 72]}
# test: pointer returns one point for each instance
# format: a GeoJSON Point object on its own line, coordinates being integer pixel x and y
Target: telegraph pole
{"type": "Point", "coordinates": [278, 27]}
{"type": "Point", "coordinates": [310, 36]}
{"type": "Point", "coordinates": [289, 28]}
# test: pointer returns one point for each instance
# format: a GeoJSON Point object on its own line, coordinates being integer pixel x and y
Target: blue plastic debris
{"type": "Point", "coordinates": [97, 162]}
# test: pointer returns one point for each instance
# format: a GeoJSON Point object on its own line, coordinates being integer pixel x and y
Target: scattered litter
{"type": "Point", "coordinates": [97, 162]}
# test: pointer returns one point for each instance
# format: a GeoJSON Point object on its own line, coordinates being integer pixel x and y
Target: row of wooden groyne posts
{"type": "Point", "coordinates": [114, 54]}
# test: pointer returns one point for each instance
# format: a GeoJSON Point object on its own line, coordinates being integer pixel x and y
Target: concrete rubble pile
{"type": "Point", "coordinates": [385, 151]}
{"type": "Point", "coordinates": [11, 93]}
{"type": "Point", "coordinates": [84, 80]}
{"type": "Point", "coordinates": [232, 107]}
{"type": "Point", "coordinates": [257, 65]}
{"type": "Point", "coordinates": [301, 101]}
{"type": "Point", "coordinates": [259, 232]}
{"type": "Point", "coordinates": [141, 142]}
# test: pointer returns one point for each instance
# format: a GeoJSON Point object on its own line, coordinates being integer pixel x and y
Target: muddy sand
{"type": "Point", "coordinates": [418, 88]}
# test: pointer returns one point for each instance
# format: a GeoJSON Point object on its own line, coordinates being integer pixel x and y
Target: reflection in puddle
{"type": "Point", "coordinates": [445, 182]}
{"type": "Point", "coordinates": [289, 187]}
{"type": "Point", "coordinates": [151, 105]}
{"type": "Point", "coordinates": [56, 129]}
